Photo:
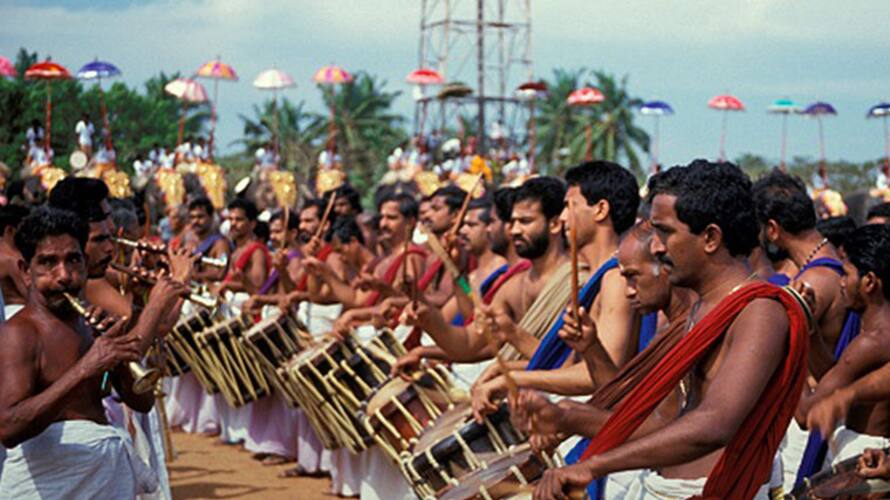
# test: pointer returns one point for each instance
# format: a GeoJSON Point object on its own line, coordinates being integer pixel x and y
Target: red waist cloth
{"type": "Point", "coordinates": [746, 461]}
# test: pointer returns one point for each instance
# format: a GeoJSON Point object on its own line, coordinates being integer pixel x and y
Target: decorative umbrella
{"type": "Point", "coordinates": [48, 71]}
{"type": "Point", "coordinates": [97, 70]}
{"type": "Point", "coordinates": [531, 92]}
{"type": "Point", "coordinates": [656, 109]}
{"type": "Point", "coordinates": [586, 97]}
{"type": "Point", "coordinates": [274, 79]}
{"type": "Point", "coordinates": [7, 69]}
{"type": "Point", "coordinates": [423, 78]}
{"type": "Point", "coordinates": [882, 111]}
{"type": "Point", "coordinates": [215, 70]}
{"type": "Point", "coordinates": [725, 103]}
{"type": "Point", "coordinates": [186, 90]}
{"type": "Point", "coordinates": [454, 90]}
{"type": "Point", "coordinates": [331, 75]}
{"type": "Point", "coordinates": [817, 110]}
{"type": "Point", "coordinates": [783, 107]}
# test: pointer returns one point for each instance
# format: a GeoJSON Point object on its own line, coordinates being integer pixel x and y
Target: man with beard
{"type": "Point", "coordinates": [741, 366]}
{"type": "Point", "coordinates": [205, 241]}
{"type": "Point", "coordinates": [648, 290]}
{"type": "Point", "coordinates": [532, 299]}
{"type": "Point", "coordinates": [12, 280]}
{"type": "Point", "coordinates": [51, 412]}
{"type": "Point", "coordinates": [847, 394]}
{"type": "Point", "coordinates": [347, 201]}
{"type": "Point", "coordinates": [788, 223]}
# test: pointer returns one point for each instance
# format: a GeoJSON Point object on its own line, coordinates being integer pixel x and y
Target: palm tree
{"type": "Point", "coordinates": [557, 122]}
{"type": "Point", "coordinates": [615, 136]}
{"type": "Point", "coordinates": [366, 128]}
{"type": "Point", "coordinates": [298, 133]}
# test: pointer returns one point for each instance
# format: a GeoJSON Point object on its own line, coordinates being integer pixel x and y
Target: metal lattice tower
{"type": "Point", "coordinates": [485, 44]}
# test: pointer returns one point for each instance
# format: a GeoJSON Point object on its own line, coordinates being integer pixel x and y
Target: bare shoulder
{"type": "Point", "coordinates": [763, 317]}
{"type": "Point", "coordinates": [19, 336]}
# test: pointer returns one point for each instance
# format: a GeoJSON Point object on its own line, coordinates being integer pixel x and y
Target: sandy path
{"type": "Point", "coordinates": [205, 469]}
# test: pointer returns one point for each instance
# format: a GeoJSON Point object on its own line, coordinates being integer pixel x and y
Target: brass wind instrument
{"type": "Point", "coordinates": [195, 296]}
{"type": "Point", "coordinates": [144, 379]}
{"type": "Point", "coordinates": [221, 262]}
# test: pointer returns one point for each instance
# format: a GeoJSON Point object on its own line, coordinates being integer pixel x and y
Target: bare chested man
{"type": "Point", "coordinates": [204, 240]}
{"type": "Point", "coordinates": [445, 203]}
{"type": "Point", "coordinates": [12, 280]}
{"type": "Point", "coordinates": [844, 395]}
{"type": "Point", "coordinates": [51, 412]}
{"type": "Point", "coordinates": [705, 227]}
{"type": "Point", "coordinates": [286, 259]}
{"type": "Point", "coordinates": [250, 262]}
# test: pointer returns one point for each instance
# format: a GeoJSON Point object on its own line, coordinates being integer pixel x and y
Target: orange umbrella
{"type": "Point", "coordinates": [331, 75]}
{"type": "Point", "coordinates": [215, 70]}
{"type": "Point", "coordinates": [585, 97]}
{"type": "Point", "coordinates": [49, 71]}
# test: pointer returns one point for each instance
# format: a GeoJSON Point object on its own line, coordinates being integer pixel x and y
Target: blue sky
{"type": "Point", "coordinates": [682, 51]}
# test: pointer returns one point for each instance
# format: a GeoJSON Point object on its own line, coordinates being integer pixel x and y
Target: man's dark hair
{"type": "Point", "coordinates": [503, 203]}
{"type": "Point", "coordinates": [250, 210]}
{"type": "Point", "coordinates": [352, 196]}
{"type": "Point", "coordinates": [203, 203]}
{"type": "Point", "coordinates": [11, 216]}
{"type": "Point", "coordinates": [454, 197]}
{"type": "Point", "coordinates": [407, 204]}
{"type": "Point", "coordinates": [836, 229]}
{"type": "Point", "coordinates": [261, 231]}
{"type": "Point", "coordinates": [784, 199]}
{"type": "Point", "coordinates": [483, 204]}
{"type": "Point", "coordinates": [345, 229]}
{"type": "Point", "coordinates": [604, 180]}
{"type": "Point", "coordinates": [81, 195]}
{"type": "Point", "coordinates": [714, 193]}
{"type": "Point", "coordinates": [49, 221]}
{"type": "Point", "coordinates": [880, 210]}
{"type": "Point", "coordinates": [318, 203]}
{"type": "Point", "coordinates": [293, 222]}
{"type": "Point", "coordinates": [549, 191]}
{"type": "Point", "coordinates": [867, 249]}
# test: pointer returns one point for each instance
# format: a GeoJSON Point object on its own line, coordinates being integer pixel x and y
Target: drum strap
{"type": "Point", "coordinates": [747, 460]}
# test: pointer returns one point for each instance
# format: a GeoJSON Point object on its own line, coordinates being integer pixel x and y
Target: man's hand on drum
{"type": "Point", "coordinates": [580, 337]}
{"type": "Point", "coordinates": [874, 464]}
{"type": "Point", "coordinates": [492, 371]}
{"type": "Point", "coordinates": [827, 412]}
{"type": "Point", "coordinates": [532, 412]}
{"type": "Point", "coordinates": [485, 396]}
{"type": "Point", "coordinates": [342, 327]}
{"type": "Point", "coordinates": [408, 364]}
{"type": "Point", "coordinates": [556, 483]}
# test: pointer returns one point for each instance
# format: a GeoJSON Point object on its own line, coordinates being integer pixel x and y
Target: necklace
{"type": "Point", "coordinates": [814, 252]}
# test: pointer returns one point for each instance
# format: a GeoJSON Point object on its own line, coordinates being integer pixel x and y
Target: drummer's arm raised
{"type": "Point", "coordinates": [327, 283]}
{"type": "Point", "coordinates": [458, 343]}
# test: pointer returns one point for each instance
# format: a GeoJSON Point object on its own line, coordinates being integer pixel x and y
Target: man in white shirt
{"type": "Point", "coordinates": [84, 130]}
{"type": "Point", "coordinates": [34, 134]}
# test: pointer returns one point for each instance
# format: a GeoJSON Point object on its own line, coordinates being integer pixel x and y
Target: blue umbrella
{"type": "Point", "coordinates": [656, 109]}
{"type": "Point", "coordinates": [817, 110]}
{"type": "Point", "coordinates": [97, 70]}
{"type": "Point", "coordinates": [882, 111]}
{"type": "Point", "coordinates": [783, 107]}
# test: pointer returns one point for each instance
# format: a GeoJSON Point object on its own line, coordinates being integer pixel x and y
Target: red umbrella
{"type": "Point", "coordinates": [531, 92]}
{"type": "Point", "coordinates": [423, 77]}
{"type": "Point", "coordinates": [584, 97]}
{"type": "Point", "coordinates": [49, 71]}
{"type": "Point", "coordinates": [725, 103]}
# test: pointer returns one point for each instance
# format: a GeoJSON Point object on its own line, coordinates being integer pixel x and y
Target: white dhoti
{"type": "Point", "coordinates": [845, 443]}
{"type": "Point", "coordinates": [792, 448]}
{"type": "Point", "coordinates": [190, 407]}
{"type": "Point", "coordinates": [233, 422]}
{"type": "Point", "coordinates": [146, 434]}
{"type": "Point", "coordinates": [347, 471]}
{"type": "Point", "coordinates": [311, 454]}
{"type": "Point", "coordinates": [382, 479]}
{"type": "Point", "coordinates": [650, 485]}
{"type": "Point", "coordinates": [10, 310]}
{"type": "Point", "coordinates": [618, 484]}
{"type": "Point", "coordinates": [76, 459]}
{"type": "Point", "coordinates": [273, 428]}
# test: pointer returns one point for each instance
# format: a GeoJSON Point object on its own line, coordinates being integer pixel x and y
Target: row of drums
{"type": "Point", "coordinates": [423, 423]}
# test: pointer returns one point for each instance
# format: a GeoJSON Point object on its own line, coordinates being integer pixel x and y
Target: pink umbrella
{"type": "Point", "coordinates": [331, 75]}
{"type": "Point", "coordinates": [531, 92]}
{"type": "Point", "coordinates": [274, 79]}
{"type": "Point", "coordinates": [7, 68]}
{"type": "Point", "coordinates": [422, 78]}
{"type": "Point", "coordinates": [48, 71]}
{"type": "Point", "coordinates": [725, 103]}
{"type": "Point", "coordinates": [585, 97]}
{"type": "Point", "coordinates": [186, 90]}
{"type": "Point", "coordinates": [216, 70]}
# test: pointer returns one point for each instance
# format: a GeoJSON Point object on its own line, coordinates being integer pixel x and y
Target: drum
{"type": "Point", "coordinates": [355, 378]}
{"type": "Point", "coordinates": [236, 374]}
{"type": "Point", "coordinates": [273, 342]}
{"type": "Point", "coordinates": [180, 347]}
{"type": "Point", "coordinates": [455, 446]}
{"type": "Point", "coordinates": [841, 480]}
{"type": "Point", "coordinates": [309, 371]}
{"type": "Point", "coordinates": [507, 476]}
{"type": "Point", "coordinates": [398, 411]}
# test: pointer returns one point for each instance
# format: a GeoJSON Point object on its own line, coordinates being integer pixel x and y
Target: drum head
{"type": "Point", "coordinates": [444, 426]}
{"type": "Point", "coordinates": [499, 479]}
{"type": "Point", "coordinates": [78, 160]}
{"type": "Point", "coordinates": [242, 185]}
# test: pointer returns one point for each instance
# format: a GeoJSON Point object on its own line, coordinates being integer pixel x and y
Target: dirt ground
{"type": "Point", "coordinates": [205, 469]}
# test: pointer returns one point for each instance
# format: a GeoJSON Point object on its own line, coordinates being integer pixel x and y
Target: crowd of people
{"type": "Point", "coordinates": [713, 337]}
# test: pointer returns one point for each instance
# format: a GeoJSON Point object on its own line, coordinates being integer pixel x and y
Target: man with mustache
{"type": "Point", "coordinates": [445, 204]}
{"type": "Point", "coordinates": [741, 366]}
{"type": "Point", "coordinates": [51, 411]}
{"type": "Point", "coordinates": [205, 240]}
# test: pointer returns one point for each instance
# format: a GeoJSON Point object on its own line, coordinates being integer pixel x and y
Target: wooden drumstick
{"type": "Point", "coordinates": [436, 247]}
{"type": "Point", "coordinates": [463, 210]}
{"type": "Point", "coordinates": [326, 216]}
{"type": "Point", "coordinates": [573, 248]}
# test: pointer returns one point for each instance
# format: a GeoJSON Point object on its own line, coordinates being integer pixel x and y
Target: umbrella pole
{"type": "Point", "coordinates": [784, 141]}
{"type": "Point", "coordinates": [49, 118]}
{"type": "Point", "coordinates": [821, 142]}
{"type": "Point", "coordinates": [181, 126]}
{"type": "Point", "coordinates": [588, 139]}
{"type": "Point", "coordinates": [331, 129]}
{"type": "Point", "coordinates": [532, 136]}
{"type": "Point", "coordinates": [213, 118]}
{"type": "Point", "coordinates": [105, 123]}
{"type": "Point", "coordinates": [723, 137]}
{"type": "Point", "coordinates": [275, 133]}
{"type": "Point", "coordinates": [886, 143]}
{"type": "Point", "coordinates": [655, 147]}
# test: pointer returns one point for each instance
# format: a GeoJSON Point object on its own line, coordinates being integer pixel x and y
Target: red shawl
{"type": "Point", "coordinates": [244, 258]}
{"type": "Point", "coordinates": [390, 274]}
{"type": "Point", "coordinates": [747, 460]}
{"type": "Point", "coordinates": [322, 255]}
{"type": "Point", "coordinates": [519, 267]}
